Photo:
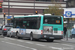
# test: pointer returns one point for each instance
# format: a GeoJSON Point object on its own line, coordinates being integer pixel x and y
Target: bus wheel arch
{"type": "Point", "coordinates": [16, 33]}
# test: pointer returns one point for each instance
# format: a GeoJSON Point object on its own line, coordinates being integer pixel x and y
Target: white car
{"type": "Point", "coordinates": [12, 32]}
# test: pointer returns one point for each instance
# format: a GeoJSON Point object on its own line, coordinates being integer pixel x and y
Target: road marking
{"type": "Point", "coordinates": [10, 38]}
{"type": "Point", "coordinates": [61, 48]}
{"type": "Point", "coordinates": [19, 45]}
{"type": "Point", "coordinates": [29, 42]}
{"type": "Point", "coordinates": [68, 48]}
{"type": "Point", "coordinates": [55, 43]}
{"type": "Point", "coordinates": [56, 48]}
{"type": "Point", "coordinates": [20, 40]}
{"type": "Point", "coordinates": [40, 44]}
{"type": "Point", "coordinates": [68, 45]}
{"type": "Point", "coordinates": [25, 42]}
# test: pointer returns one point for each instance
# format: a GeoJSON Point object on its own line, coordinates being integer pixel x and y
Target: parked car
{"type": "Point", "coordinates": [0, 30]}
{"type": "Point", "coordinates": [12, 32]}
{"type": "Point", "coordinates": [5, 28]}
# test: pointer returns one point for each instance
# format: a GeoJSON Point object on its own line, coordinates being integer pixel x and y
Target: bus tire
{"type": "Point", "coordinates": [18, 37]}
{"type": "Point", "coordinates": [50, 40]}
{"type": "Point", "coordinates": [31, 37]}
{"type": "Point", "coordinates": [7, 35]}
{"type": "Point", "coordinates": [36, 39]}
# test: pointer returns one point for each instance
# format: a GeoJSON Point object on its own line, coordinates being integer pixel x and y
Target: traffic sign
{"type": "Point", "coordinates": [68, 14]}
{"type": "Point", "coordinates": [9, 17]}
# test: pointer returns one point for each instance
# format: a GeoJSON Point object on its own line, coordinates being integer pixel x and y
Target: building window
{"type": "Point", "coordinates": [43, 0]}
{"type": "Point", "coordinates": [50, 0]}
{"type": "Point", "coordinates": [57, 0]}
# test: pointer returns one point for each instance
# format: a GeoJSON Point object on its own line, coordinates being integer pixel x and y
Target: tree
{"type": "Point", "coordinates": [56, 9]}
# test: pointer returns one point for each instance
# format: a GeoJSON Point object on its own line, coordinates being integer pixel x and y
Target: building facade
{"type": "Point", "coordinates": [70, 7]}
{"type": "Point", "coordinates": [25, 7]}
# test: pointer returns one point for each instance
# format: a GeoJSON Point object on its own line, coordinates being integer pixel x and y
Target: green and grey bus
{"type": "Point", "coordinates": [49, 27]}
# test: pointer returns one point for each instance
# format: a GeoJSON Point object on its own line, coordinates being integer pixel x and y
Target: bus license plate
{"type": "Point", "coordinates": [51, 37]}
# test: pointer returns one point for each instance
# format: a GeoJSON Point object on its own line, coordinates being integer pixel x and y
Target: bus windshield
{"type": "Point", "coordinates": [52, 20]}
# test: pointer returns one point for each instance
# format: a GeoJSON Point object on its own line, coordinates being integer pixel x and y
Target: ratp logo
{"type": "Point", "coordinates": [68, 14]}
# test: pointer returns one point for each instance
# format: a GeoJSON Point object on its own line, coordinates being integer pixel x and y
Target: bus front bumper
{"type": "Point", "coordinates": [55, 37]}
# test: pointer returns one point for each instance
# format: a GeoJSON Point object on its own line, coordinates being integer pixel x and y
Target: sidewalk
{"type": "Point", "coordinates": [68, 40]}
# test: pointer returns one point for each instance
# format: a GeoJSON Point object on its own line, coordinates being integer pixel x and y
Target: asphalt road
{"type": "Point", "coordinates": [7, 43]}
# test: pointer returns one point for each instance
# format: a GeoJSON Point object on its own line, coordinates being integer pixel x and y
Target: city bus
{"type": "Point", "coordinates": [49, 27]}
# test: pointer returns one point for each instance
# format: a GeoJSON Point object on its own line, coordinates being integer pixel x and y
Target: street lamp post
{"type": "Point", "coordinates": [8, 11]}
{"type": "Point", "coordinates": [34, 6]}
{"type": "Point", "coordinates": [8, 7]}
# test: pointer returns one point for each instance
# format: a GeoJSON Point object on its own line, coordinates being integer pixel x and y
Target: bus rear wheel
{"type": "Point", "coordinates": [50, 40]}
{"type": "Point", "coordinates": [18, 37]}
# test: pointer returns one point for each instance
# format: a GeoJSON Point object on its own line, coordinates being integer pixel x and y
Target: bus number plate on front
{"type": "Point", "coordinates": [51, 37]}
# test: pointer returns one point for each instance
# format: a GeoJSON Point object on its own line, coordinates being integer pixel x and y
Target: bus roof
{"type": "Point", "coordinates": [52, 16]}
{"type": "Point", "coordinates": [36, 16]}
{"type": "Point", "coordinates": [27, 16]}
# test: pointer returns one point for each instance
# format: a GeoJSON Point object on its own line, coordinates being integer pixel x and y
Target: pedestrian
{"type": "Point", "coordinates": [73, 32]}
{"type": "Point", "coordinates": [65, 30]}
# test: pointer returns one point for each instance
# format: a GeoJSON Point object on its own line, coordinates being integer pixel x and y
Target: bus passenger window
{"type": "Point", "coordinates": [27, 24]}
{"type": "Point", "coordinates": [45, 20]}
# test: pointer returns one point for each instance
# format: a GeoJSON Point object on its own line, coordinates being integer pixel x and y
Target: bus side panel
{"type": "Point", "coordinates": [35, 32]}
